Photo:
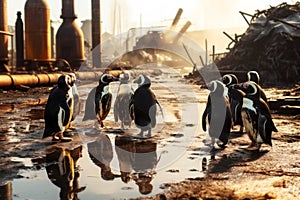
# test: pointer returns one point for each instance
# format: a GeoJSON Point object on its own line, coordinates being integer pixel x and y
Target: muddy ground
{"type": "Point", "coordinates": [232, 173]}
{"type": "Point", "coordinates": [236, 173]}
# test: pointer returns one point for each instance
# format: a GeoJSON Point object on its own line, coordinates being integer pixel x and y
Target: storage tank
{"type": "Point", "coordinates": [37, 30]}
{"type": "Point", "coordinates": [3, 37]}
{"type": "Point", "coordinates": [69, 37]}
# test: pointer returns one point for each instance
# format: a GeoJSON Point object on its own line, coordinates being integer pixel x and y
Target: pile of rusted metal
{"type": "Point", "coordinates": [270, 45]}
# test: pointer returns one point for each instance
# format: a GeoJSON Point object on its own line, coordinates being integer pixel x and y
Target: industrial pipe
{"type": "Point", "coordinates": [9, 80]}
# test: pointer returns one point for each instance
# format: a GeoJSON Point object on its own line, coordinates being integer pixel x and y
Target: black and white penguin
{"type": "Point", "coordinates": [143, 105]}
{"type": "Point", "coordinates": [254, 76]}
{"type": "Point", "coordinates": [121, 106]}
{"type": "Point", "coordinates": [256, 116]}
{"type": "Point", "coordinates": [229, 79]}
{"type": "Point", "coordinates": [235, 99]}
{"type": "Point", "coordinates": [218, 114]}
{"type": "Point", "coordinates": [57, 113]}
{"type": "Point", "coordinates": [98, 103]}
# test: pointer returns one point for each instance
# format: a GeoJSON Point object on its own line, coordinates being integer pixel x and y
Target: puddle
{"type": "Point", "coordinates": [110, 166]}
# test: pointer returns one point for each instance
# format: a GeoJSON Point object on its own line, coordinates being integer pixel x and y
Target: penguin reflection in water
{"type": "Point", "coordinates": [58, 112]}
{"type": "Point", "coordinates": [142, 106]}
{"type": "Point", "coordinates": [62, 170]}
{"type": "Point", "coordinates": [256, 116]}
{"type": "Point", "coordinates": [121, 106]}
{"type": "Point", "coordinates": [101, 153]}
{"type": "Point", "coordinates": [218, 113]}
{"type": "Point", "coordinates": [99, 99]}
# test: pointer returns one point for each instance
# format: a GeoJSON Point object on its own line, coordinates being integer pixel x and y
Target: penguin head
{"type": "Point", "coordinates": [249, 87]}
{"type": "Point", "coordinates": [73, 79]}
{"type": "Point", "coordinates": [253, 76]}
{"type": "Point", "coordinates": [216, 87]}
{"type": "Point", "coordinates": [64, 82]}
{"type": "Point", "coordinates": [142, 80]}
{"type": "Point", "coordinates": [124, 77]}
{"type": "Point", "coordinates": [229, 79]}
{"type": "Point", "coordinates": [107, 78]}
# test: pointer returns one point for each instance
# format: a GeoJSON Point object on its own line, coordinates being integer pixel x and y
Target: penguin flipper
{"type": "Point", "coordinates": [261, 125]}
{"type": "Point", "coordinates": [105, 104]}
{"type": "Point", "coordinates": [131, 107]}
{"type": "Point", "coordinates": [204, 120]}
{"type": "Point", "coordinates": [116, 109]}
{"type": "Point", "coordinates": [152, 114]}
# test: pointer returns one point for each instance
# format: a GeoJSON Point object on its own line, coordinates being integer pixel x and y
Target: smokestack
{"type": "Point", "coordinates": [69, 37]}
{"type": "Point", "coordinates": [3, 37]}
{"type": "Point", "coordinates": [182, 31]}
{"type": "Point", "coordinates": [37, 30]}
{"type": "Point", "coordinates": [19, 42]}
{"type": "Point", "coordinates": [96, 33]}
{"type": "Point", "coordinates": [68, 10]}
{"type": "Point", "coordinates": [176, 19]}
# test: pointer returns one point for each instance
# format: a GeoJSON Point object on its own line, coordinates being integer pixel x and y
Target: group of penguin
{"type": "Point", "coordinates": [63, 105]}
{"type": "Point", "coordinates": [231, 103]}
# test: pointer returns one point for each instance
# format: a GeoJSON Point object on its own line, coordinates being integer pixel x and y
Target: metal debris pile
{"type": "Point", "coordinates": [270, 45]}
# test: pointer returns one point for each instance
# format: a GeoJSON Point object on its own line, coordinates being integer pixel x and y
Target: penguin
{"type": "Point", "coordinates": [98, 103]}
{"type": "Point", "coordinates": [229, 79]}
{"type": "Point", "coordinates": [142, 105]}
{"type": "Point", "coordinates": [254, 76]}
{"type": "Point", "coordinates": [218, 113]}
{"type": "Point", "coordinates": [256, 116]}
{"type": "Point", "coordinates": [57, 113]}
{"type": "Point", "coordinates": [121, 105]}
{"type": "Point", "coordinates": [235, 99]}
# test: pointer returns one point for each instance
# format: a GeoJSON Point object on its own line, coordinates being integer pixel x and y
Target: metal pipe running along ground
{"type": "Point", "coordinates": [8, 80]}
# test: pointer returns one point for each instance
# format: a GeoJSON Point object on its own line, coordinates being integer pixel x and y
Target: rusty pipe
{"type": "Point", "coordinates": [8, 80]}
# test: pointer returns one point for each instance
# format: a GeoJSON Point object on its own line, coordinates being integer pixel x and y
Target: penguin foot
{"type": "Point", "coordinates": [68, 134]}
{"type": "Point", "coordinates": [254, 147]}
{"type": "Point", "coordinates": [140, 135]}
{"type": "Point", "coordinates": [65, 139]}
{"type": "Point", "coordinates": [149, 133]}
{"type": "Point", "coordinates": [59, 137]}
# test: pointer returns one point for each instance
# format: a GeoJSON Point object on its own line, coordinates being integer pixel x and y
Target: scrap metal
{"type": "Point", "coordinates": [270, 46]}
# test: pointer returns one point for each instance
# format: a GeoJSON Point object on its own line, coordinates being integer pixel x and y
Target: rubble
{"type": "Point", "coordinates": [270, 46]}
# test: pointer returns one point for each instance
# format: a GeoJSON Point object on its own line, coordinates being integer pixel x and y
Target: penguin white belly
{"type": "Point", "coordinates": [60, 119]}
{"type": "Point", "coordinates": [124, 89]}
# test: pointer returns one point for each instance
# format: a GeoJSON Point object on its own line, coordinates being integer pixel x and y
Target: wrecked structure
{"type": "Point", "coordinates": [270, 46]}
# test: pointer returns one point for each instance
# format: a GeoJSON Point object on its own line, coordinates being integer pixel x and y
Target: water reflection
{"type": "Point", "coordinates": [101, 153]}
{"type": "Point", "coordinates": [62, 171]}
{"type": "Point", "coordinates": [137, 161]}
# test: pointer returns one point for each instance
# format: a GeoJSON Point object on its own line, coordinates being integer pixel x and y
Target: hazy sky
{"type": "Point", "coordinates": [204, 14]}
